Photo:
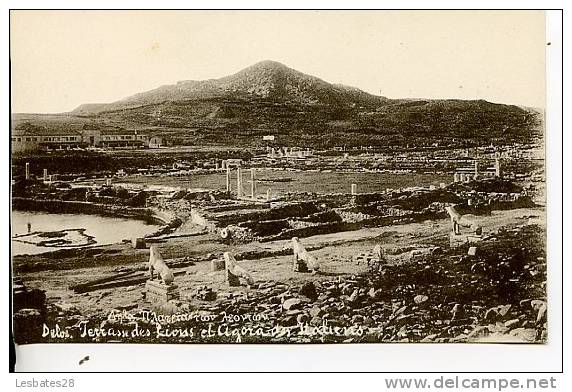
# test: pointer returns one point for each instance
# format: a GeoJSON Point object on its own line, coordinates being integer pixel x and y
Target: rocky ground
{"type": "Point", "coordinates": [494, 292]}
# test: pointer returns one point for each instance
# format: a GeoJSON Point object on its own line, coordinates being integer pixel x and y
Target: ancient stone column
{"type": "Point", "coordinates": [497, 167]}
{"type": "Point", "coordinates": [227, 177]}
{"type": "Point", "coordinates": [45, 174]}
{"type": "Point", "coordinates": [252, 182]}
{"type": "Point", "coordinates": [268, 194]}
{"type": "Point", "coordinates": [27, 170]}
{"type": "Point", "coordinates": [354, 189]}
{"type": "Point", "coordinates": [238, 182]}
{"type": "Point", "coordinates": [456, 177]}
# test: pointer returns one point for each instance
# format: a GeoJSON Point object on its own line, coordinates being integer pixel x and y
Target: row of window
{"type": "Point", "coordinates": [46, 139]}
{"type": "Point", "coordinates": [75, 138]}
{"type": "Point", "coordinates": [123, 137]}
{"type": "Point", "coordinates": [64, 138]}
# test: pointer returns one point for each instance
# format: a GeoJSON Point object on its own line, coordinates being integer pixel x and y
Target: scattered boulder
{"type": "Point", "coordinates": [316, 311]}
{"type": "Point", "coordinates": [302, 318]}
{"type": "Point", "coordinates": [458, 312]}
{"type": "Point", "coordinates": [503, 309]}
{"type": "Point", "coordinates": [308, 290]}
{"type": "Point", "coordinates": [541, 315]}
{"type": "Point", "coordinates": [491, 315]}
{"type": "Point", "coordinates": [511, 323]}
{"type": "Point", "coordinates": [292, 303]}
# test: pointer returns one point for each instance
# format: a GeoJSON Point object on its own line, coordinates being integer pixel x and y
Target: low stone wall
{"type": "Point", "coordinates": [266, 228]}
{"type": "Point", "coordinates": [285, 211]}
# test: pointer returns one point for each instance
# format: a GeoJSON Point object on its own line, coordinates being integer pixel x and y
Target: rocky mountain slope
{"type": "Point", "coordinates": [270, 98]}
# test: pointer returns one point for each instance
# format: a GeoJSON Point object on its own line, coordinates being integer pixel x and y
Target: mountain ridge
{"type": "Point", "coordinates": [266, 79]}
{"type": "Point", "coordinates": [271, 98]}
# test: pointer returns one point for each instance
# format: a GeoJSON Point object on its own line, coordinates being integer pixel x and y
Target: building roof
{"type": "Point", "coordinates": [44, 132]}
{"type": "Point", "coordinates": [41, 131]}
{"type": "Point", "coordinates": [113, 131]}
{"type": "Point", "coordinates": [116, 131]}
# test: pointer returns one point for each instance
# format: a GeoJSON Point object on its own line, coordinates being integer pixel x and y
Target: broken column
{"type": "Point", "coordinates": [108, 182]}
{"type": "Point", "coordinates": [27, 170]}
{"type": "Point", "coordinates": [354, 189]}
{"type": "Point", "coordinates": [498, 172]}
{"type": "Point", "coordinates": [45, 175]}
{"type": "Point", "coordinates": [268, 194]}
{"type": "Point", "coordinates": [217, 265]}
{"type": "Point", "coordinates": [253, 183]}
{"type": "Point", "coordinates": [227, 177]}
{"type": "Point", "coordinates": [138, 243]}
{"type": "Point", "coordinates": [456, 177]}
{"type": "Point", "coordinates": [476, 170]}
{"type": "Point", "coordinates": [238, 182]}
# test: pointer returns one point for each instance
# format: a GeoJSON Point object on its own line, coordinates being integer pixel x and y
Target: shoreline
{"type": "Point", "coordinates": [89, 208]}
{"type": "Point", "coordinates": [166, 221]}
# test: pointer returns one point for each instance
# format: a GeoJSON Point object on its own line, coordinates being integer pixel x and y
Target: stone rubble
{"type": "Point", "coordinates": [498, 293]}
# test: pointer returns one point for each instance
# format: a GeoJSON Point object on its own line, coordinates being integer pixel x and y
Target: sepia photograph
{"type": "Point", "coordinates": [278, 177]}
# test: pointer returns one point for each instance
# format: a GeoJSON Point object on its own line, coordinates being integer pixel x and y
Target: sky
{"type": "Point", "coordinates": [61, 59]}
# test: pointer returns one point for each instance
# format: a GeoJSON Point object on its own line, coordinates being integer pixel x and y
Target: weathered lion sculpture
{"type": "Point", "coordinates": [235, 271]}
{"type": "Point", "coordinates": [156, 263]}
{"type": "Point", "coordinates": [458, 221]}
{"type": "Point", "coordinates": [303, 260]}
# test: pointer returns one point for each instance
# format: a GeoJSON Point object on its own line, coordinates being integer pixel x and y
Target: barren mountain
{"type": "Point", "coordinates": [270, 98]}
{"type": "Point", "coordinates": [267, 80]}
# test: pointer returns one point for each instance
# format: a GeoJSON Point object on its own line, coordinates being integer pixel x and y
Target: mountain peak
{"type": "Point", "coordinates": [267, 79]}
{"type": "Point", "coordinates": [267, 70]}
{"type": "Point", "coordinates": [269, 64]}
